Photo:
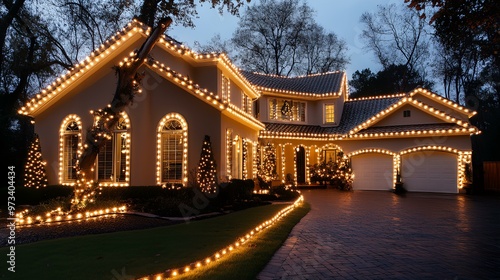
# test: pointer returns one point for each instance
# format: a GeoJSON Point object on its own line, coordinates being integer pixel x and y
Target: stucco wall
{"type": "Point", "coordinates": [417, 116]}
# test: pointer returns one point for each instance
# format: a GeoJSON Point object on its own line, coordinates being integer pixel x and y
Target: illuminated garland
{"type": "Point", "coordinates": [60, 216]}
{"type": "Point", "coordinates": [34, 171]}
{"type": "Point", "coordinates": [232, 247]}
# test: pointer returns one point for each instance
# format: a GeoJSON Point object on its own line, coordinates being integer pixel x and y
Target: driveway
{"type": "Point", "coordinates": [380, 235]}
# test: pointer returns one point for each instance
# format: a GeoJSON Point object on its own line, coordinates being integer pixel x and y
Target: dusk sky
{"type": "Point", "coordinates": [340, 16]}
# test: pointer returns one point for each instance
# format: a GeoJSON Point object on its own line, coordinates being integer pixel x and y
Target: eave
{"type": "Point", "coordinates": [203, 94]}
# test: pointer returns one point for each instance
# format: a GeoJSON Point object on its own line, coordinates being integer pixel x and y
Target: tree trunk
{"type": "Point", "coordinates": [128, 83]}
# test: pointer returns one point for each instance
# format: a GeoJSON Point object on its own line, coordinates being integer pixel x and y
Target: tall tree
{"type": "Point", "coordinates": [183, 11]}
{"type": "Point", "coordinates": [397, 36]}
{"type": "Point", "coordinates": [127, 85]}
{"type": "Point", "coordinates": [393, 79]}
{"type": "Point", "coordinates": [282, 38]}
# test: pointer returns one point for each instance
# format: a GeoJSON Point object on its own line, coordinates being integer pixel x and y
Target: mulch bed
{"type": "Point", "coordinates": [97, 225]}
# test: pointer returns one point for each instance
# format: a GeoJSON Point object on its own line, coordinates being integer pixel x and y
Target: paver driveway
{"type": "Point", "coordinates": [380, 235]}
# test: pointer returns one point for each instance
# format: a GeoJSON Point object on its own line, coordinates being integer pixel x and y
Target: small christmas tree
{"type": "Point", "coordinates": [267, 168]}
{"type": "Point", "coordinates": [206, 176]}
{"type": "Point", "coordinates": [34, 171]}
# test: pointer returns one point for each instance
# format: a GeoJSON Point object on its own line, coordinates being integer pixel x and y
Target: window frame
{"type": "Point", "coordinates": [119, 147]}
{"type": "Point", "coordinates": [297, 110]}
{"type": "Point", "coordinates": [183, 134]}
{"type": "Point", "coordinates": [66, 133]}
{"type": "Point", "coordinates": [325, 113]}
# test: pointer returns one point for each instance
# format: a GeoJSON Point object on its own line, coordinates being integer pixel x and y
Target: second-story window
{"type": "Point", "coordinates": [246, 103]}
{"type": "Point", "coordinates": [287, 110]}
{"type": "Point", "coordinates": [329, 113]}
{"type": "Point", "coordinates": [225, 89]}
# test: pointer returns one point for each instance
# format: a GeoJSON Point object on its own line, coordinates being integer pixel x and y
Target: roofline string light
{"type": "Point", "coordinates": [404, 101]}
{"type": "Point", "coordinates": [227, 250]}
{"type": "Point", "coordinates": [203, 93]}
{"type": "Point", "coordinates": [111, 45]}
{"type": "Point", "coordinates": [444, 101]}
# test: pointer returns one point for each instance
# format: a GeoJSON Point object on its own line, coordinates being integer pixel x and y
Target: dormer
{"type": "Point", "coordinates": [309, 100]}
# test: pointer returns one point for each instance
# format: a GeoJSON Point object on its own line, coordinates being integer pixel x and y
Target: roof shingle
{"type": "Point", "coordinates": [320, 84]}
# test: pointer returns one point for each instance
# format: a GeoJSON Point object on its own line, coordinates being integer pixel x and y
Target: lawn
{"type": "Point", "coordinates": [123, 255]}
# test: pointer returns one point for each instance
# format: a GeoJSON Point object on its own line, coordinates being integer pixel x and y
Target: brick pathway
{"type": "Point", "coordinates": [380, 235]}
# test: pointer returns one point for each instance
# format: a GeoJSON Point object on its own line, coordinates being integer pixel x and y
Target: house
{"type": "Point", "coordinates": [186, 95]}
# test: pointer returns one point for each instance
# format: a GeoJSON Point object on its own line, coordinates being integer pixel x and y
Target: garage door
{"type": "Point", "coordinates": [372, 172]}
{"type": "Point", "coordinates": [430, 171]}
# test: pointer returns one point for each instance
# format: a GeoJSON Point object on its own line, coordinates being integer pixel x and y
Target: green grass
{"type": "Point", "coordinates": [250, 259]}
{"type": "Point", "coordinates": [134, 253]}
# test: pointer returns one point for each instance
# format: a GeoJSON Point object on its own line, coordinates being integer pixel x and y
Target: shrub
{"type": "Point", "coordinates": [283, 192]}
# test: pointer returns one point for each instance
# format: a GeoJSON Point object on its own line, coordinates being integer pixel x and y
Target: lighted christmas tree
{"type": "Point", "coordinates": [34, 171]}
{"type": "Point", "coordinates": [337, 172]}
{"type": "Point", "coordinates": [267, 168]}
{"type": "Point", "coordinates": [206, 176]}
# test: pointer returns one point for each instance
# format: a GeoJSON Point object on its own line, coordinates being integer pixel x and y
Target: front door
{"type": "Point", "coordinates": [300, 156]}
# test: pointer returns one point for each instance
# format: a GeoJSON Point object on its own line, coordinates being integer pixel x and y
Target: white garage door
{"type": "Point", "coordinates": [430, 171]}
{"type": "Point", "coordinates": [372, 172]}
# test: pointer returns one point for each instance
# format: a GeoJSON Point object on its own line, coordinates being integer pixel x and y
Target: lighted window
{"type": "Point", "coordinates": [237, 158]}
{"type": "Point", "coordinates": [330, 155]}
{"type": "Point", "coordinates": [246, 103]}
{"type": "Point", "coordinates": [69, 145]}
{"type": "Point", "coordinates": [113, 158]}
{"type": "Point", "coordinates": [287, 110]}
{"type": "Point", "coordinates": [71, 141]}
{"type": "Point", "coordinates": [172, 150]}
{"type": "Point", "coordinates": [329, 113]}
{"type": "Point", "coordinates": [225, 88]}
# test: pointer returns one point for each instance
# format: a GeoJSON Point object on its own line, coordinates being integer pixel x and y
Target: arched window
{"type": "Point", "coordinates": [69, 148]}
{"type": "Point", "coordinates": [172, 150]}
{"type": "Point", "coordinates": [113, 160]}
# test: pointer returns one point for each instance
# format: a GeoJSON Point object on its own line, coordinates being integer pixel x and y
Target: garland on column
{"type": "Point", "coordinates": [34, 171]}
{"type": "Point", "coordinates": [206, 174]}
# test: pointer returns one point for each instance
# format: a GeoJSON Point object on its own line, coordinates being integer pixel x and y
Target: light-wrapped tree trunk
{"type": "Point", "coordinates": [106, 118]}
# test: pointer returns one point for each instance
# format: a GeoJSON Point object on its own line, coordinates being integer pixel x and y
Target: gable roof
{"type": "Point", "coordinates": [355, 112]}
{"type": "Point", "coordinates": [360, 114]}
{"type": "Point", "coordinates": [317, 85]}
{"type": "Point", "coordinates": [109, 51]}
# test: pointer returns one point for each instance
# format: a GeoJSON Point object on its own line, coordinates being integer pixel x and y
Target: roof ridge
{"type": "Point", "coordinates": [395, 95]}
{"type": "Point", "coordinates": [294, 77]}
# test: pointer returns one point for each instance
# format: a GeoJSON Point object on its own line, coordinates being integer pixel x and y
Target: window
{"type": "Point", "coordinates": [287, 110]}
{"type": "Point", "coordinates": [113, 159]}
{"type": "Point", "coordinates": [172, 150]}
{"type": "Point", "coordinates": [329, 113]}
{"type": "Point", "coordinates": [69, 144]}
{"type": "Point", "coordinates": [246, 103]}
{"type": "Point", "coordinates": [225, 89]}
{"type": "Point", "coordinates": [406, 113]}
{"type": "Point", "coordinates": [237, 157]}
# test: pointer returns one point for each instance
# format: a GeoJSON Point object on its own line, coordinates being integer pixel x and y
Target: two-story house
{"type": "Point", "coordinates": [186, 95]}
